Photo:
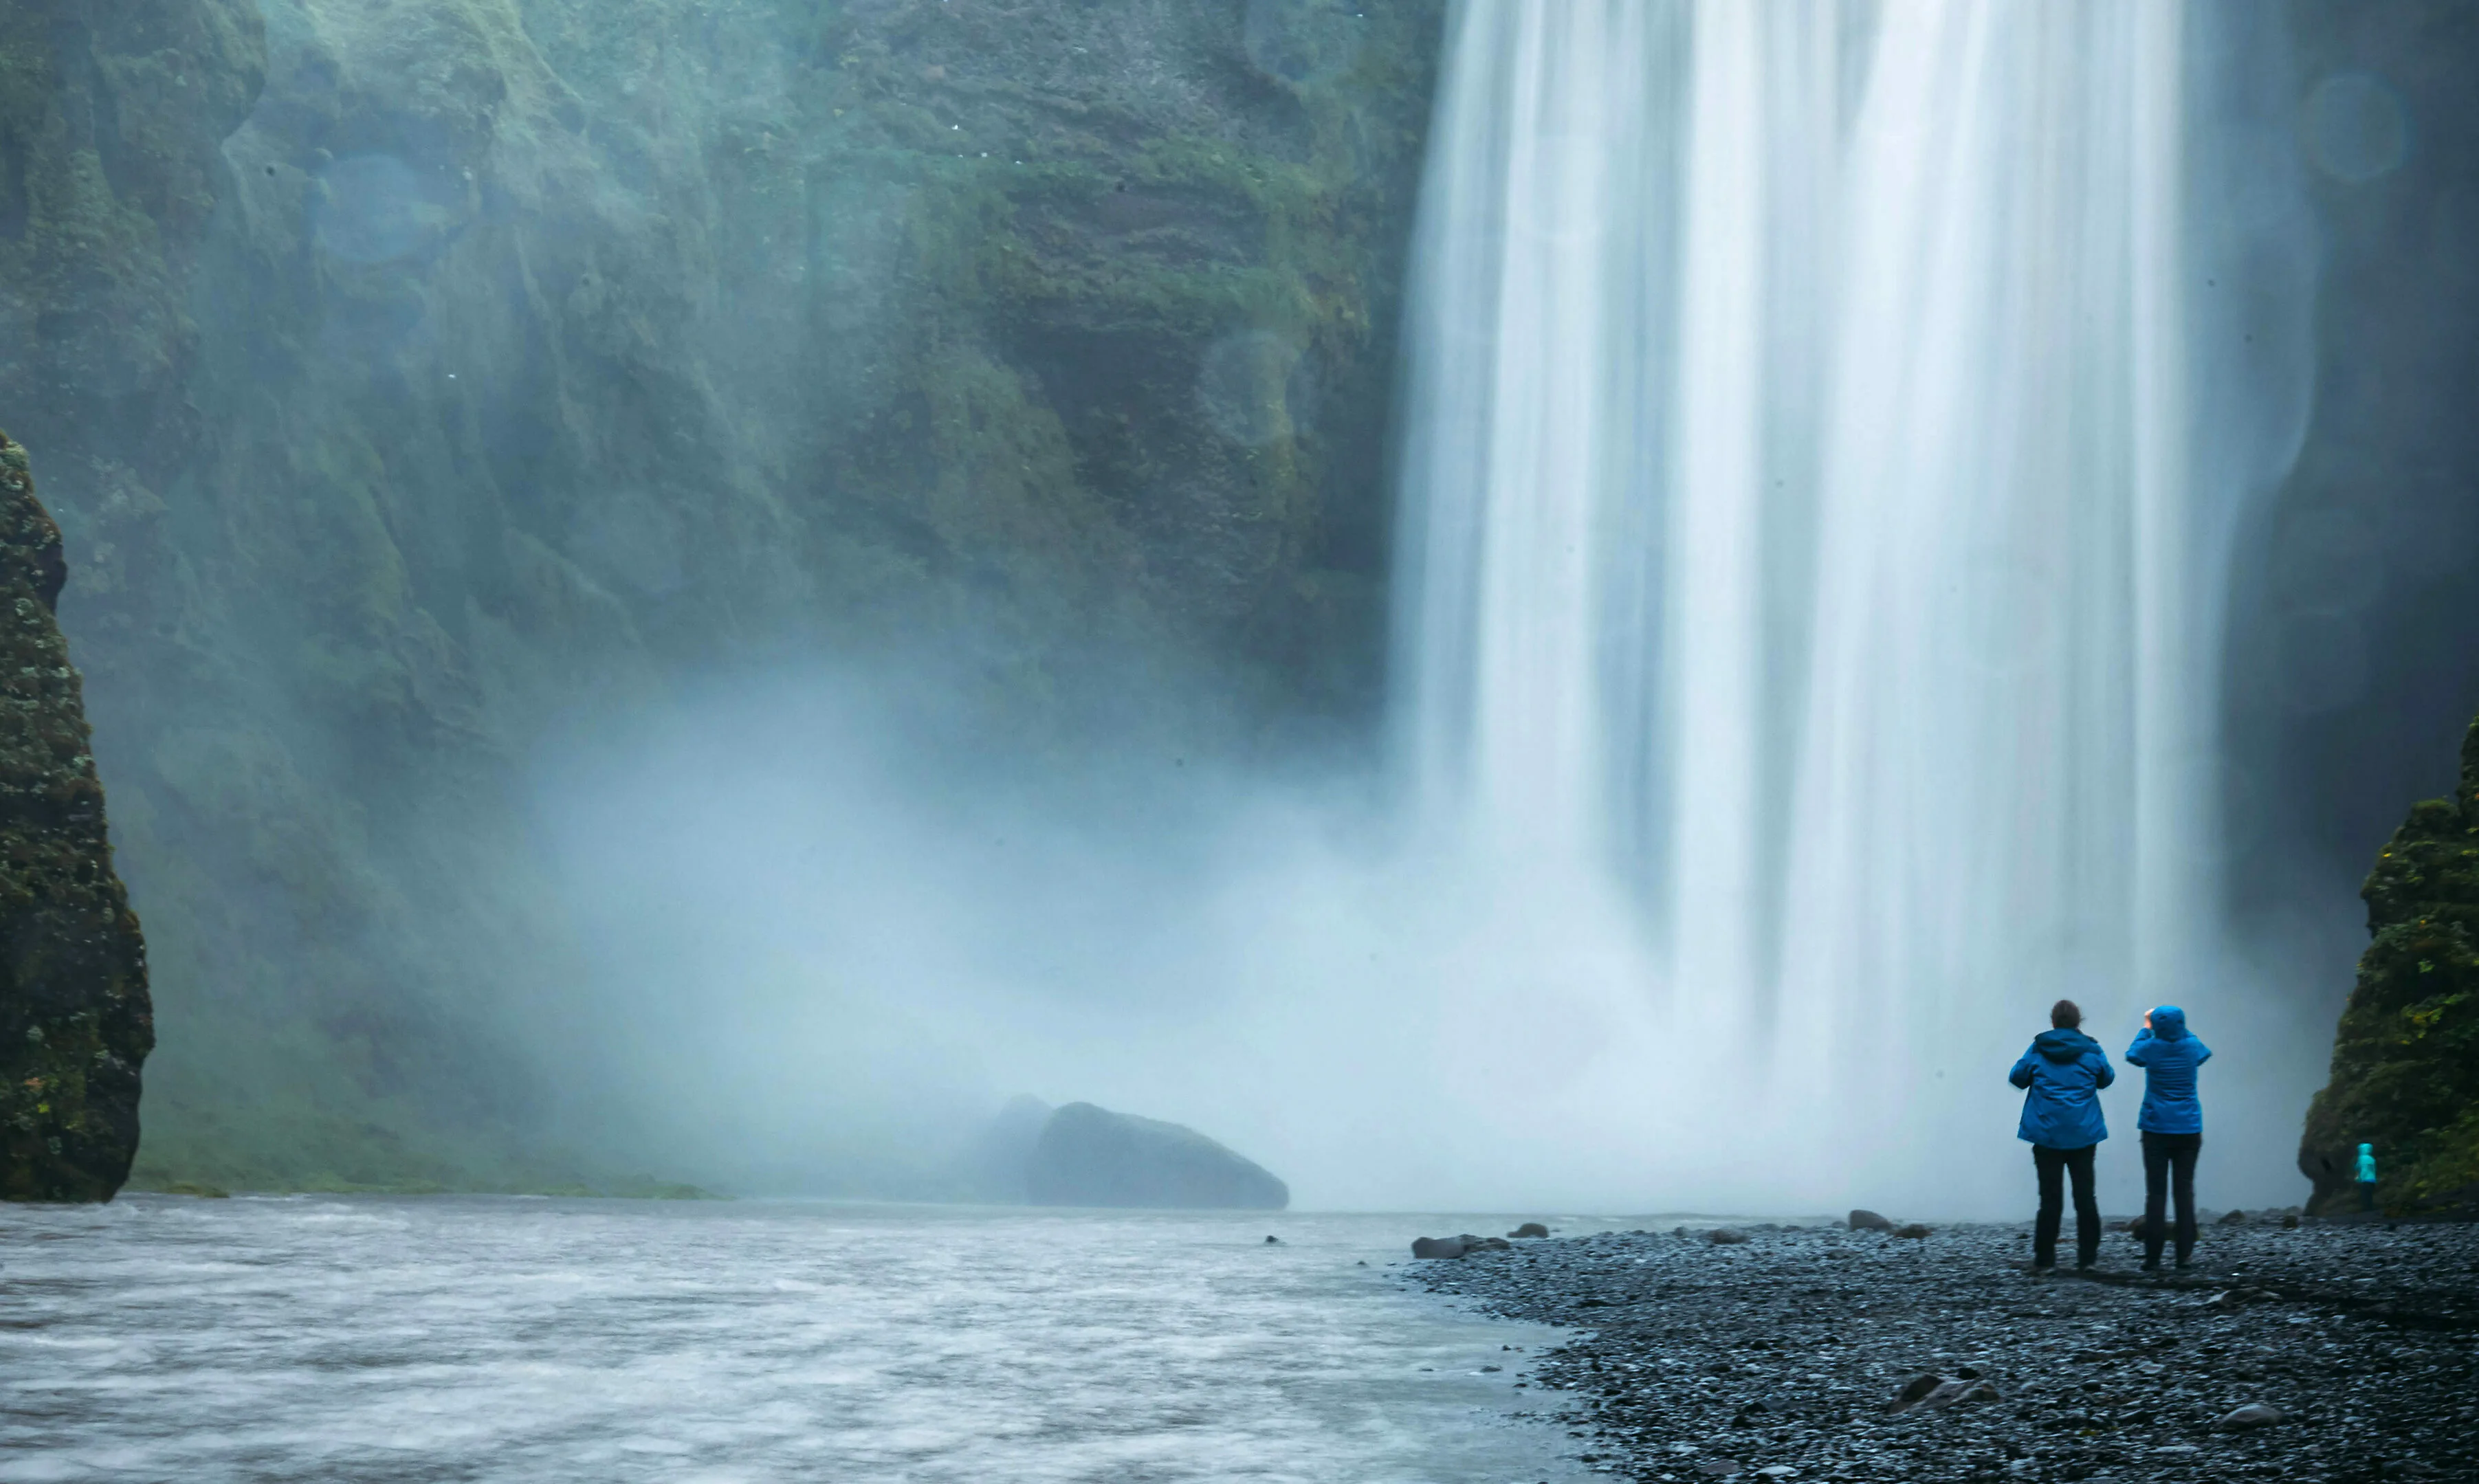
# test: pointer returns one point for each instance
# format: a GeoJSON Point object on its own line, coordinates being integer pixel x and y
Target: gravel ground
{"type": "Point", "coordinates": [1777, 1357]}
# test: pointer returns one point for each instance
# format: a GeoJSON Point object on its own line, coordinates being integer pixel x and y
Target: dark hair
{"type": "Point", "coordinates": [2065, 1015]}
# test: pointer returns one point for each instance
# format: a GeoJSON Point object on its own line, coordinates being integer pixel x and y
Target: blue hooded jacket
{"type": "Point", "coordinates": [2168, 1053]}
{"type": "Point", "coordinates": [2064, 1072]}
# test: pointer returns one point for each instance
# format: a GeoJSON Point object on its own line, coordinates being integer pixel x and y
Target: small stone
{"type": "Point", "coordinates": [1868, 1222]}
{"type": "Point", "coordinates": [1957, 1393]}
{"type": "Point", "coordinates": [2255, 1414]}
{"type": "Point", "coordinates": [1724, 1236]}
{"type": "Point", "coordinates": [1273, 1241]}
{"type": "Point", "coordinates": [2235, 1218]}
{"type": "Point", "coordinates": [1915, 1231]}
{"type": "Point", "coordinates": [1914, 1391]}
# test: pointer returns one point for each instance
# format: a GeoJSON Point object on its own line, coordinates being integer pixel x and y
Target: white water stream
{"type": "Point", "coordinates": [1820, 489]}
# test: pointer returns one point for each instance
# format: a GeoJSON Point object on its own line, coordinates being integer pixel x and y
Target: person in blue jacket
{"type": "Point", "coordinates": [2063, 1074]}
{"type": "Point", "coordinates": [2172, 1126]}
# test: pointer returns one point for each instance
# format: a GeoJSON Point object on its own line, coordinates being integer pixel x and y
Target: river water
{"type": "Point", "coordinates": [478, 1338]}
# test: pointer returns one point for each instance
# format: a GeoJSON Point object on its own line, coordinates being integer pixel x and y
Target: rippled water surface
{"type": "Point", "coordinates": [374, 1339]}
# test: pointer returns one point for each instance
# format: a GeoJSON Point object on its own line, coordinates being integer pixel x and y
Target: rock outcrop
{"type": "Point", "coordinates": [1088, 1156]}
{"type": "Point", "coordinates": [2406, 1059]}
{"type": "Point", "coordinates": [75, 1023]}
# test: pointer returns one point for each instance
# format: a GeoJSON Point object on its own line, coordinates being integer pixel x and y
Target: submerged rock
{"type": "Point", "coordinates": [1089, 1155]}
{"type": "Point", "coordinates": [75, 1020]}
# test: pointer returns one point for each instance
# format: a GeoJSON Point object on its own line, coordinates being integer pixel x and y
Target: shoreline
{"type": "Point", "coordinates": [1780, 1356]}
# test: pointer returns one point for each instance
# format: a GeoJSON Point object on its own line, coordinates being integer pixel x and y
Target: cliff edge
{"type": "Point", "coordinates": [75, 1022]}
{"type": "Point", "coordinates": [2406, 1059]}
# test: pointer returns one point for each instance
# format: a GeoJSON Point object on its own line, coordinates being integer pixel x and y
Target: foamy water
{"type": "Point", "coordinates": [377, 1339]}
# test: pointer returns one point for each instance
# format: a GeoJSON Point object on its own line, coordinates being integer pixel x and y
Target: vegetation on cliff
{"type": "Point", "coordinates": [75, 1025]}
{"type": "Point", "coordinates": [2406, 1061]}
{"type": "Point", "coordinates": [418, 380]}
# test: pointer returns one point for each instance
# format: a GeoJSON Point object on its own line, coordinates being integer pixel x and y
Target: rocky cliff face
{"type": "Point", "coordinates": [75, 1025]}
{"type": "Point", "coordinates": [2406, 1061]}
{"type": "Point", "coordinates": [415, 378]}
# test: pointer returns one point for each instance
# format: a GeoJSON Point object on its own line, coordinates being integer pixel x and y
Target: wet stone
{"type": "Point", "coordinates": [1816, 1351]}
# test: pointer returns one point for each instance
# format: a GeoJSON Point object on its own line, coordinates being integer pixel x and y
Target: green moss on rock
{"type": "Point", "coordinates": [75, 1022]}
{"type": "Point", "coordinates": [1053, 339]}
{"type": "Point", "coordinates": [2406, 1059]}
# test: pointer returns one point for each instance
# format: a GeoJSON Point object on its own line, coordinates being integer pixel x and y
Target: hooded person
{"type": "Point", "coordinates": [2172, 1126]}
{"type": "Point", "coordinates": [2061, 1076]}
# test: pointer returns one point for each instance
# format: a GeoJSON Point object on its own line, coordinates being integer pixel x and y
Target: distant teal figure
{"type": "Point", "coordinates": [2366, 1177]}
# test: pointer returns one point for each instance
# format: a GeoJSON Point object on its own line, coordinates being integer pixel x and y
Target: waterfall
{"type": "Point", "coordinates": [1811, 525]}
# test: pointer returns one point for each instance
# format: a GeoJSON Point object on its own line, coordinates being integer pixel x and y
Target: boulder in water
{"type": "Point", "coordinates": [1530, 1229]}
{"type": "Point", "coordinates": [1868, 1222]}
{"type": "Point", "coordinates": [1089, 1155]}
{"type": "Point", "coordinates": [1437, 1248]}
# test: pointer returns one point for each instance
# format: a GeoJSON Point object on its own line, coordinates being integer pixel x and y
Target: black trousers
{"type": "Point", "coordinates": [2169, 1167]}
{"type": "Point", "coordinates": [2053, 1165]}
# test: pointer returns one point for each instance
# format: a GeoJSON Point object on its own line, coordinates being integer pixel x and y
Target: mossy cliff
{"type": "Point", "coordinates": [2406, 1062]}
{"type": "Point", "coordinates": [417, 379]}
{"type": "Point", "coordinates": [75, 1025]}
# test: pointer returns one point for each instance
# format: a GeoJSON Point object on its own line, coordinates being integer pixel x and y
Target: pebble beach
{"type": "Point", "coordinates": [2316, 1351]}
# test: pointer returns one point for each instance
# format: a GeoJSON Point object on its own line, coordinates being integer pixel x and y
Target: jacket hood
{"type": "Point", "coordinates": [2062, 1044]}
{"type": "Point", "coordinates": [2169, 1023]}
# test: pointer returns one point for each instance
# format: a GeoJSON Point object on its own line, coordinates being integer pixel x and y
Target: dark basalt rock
{"type": "Point", "coordinates": [75, 1022]}
{"type": "Point", "coordinates": [1868, 1222]}
{"type": "Point", "coordinates": [1089, 1155]}
{"type": "Point", "coordinates": [2406, 1059]}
